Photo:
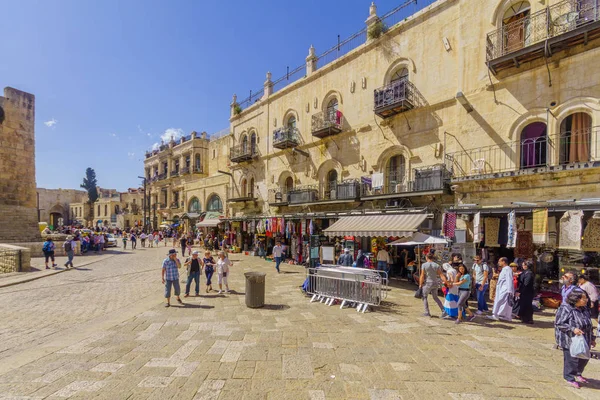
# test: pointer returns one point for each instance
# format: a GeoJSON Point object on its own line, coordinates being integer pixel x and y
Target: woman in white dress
{"type": "Point", "coordinates": [223, 264]}
{"type": "Point", "coordinates": [451, 300]}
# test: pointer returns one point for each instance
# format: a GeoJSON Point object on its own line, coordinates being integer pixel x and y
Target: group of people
{"type": "Point", "coordinates": [49, 247]}
{"type": "Point", "coordinates": [195, 265]}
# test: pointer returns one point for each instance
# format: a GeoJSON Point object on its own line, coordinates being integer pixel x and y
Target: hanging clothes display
{"type": "Point", "coordinates": [449, 224]}
{"type": "Point", "coordinates": [492, 228]}
{"type": "Point", "coordinates": [520, 223]}
{"type": "Point", "coordinates": [570, 230]}
{"type": "Point", "coordinates": [540, 226]}
{"type": "Point", "coordinates": [477, 236]}
{"type": "Point", "coordinates": [591, 236]}
{"type": "Point", "coordinates": [512, 230]}
{"type": "Point", "coordinates": [524, 247]}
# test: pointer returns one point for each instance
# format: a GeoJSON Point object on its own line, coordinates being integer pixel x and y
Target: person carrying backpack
{"type": "Point", "coordinates": [69, 246]}
{"type": "Point", "coordinates": [48, 249]}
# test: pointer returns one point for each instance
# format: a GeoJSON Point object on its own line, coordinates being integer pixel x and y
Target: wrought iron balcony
{"type": "Point", "coordinates": [185, 170]}
{"type": "Point", "coordinates": [237, 195]}
{"type": "Point", "coordinates": [162, 206]}
{"type": "Point", "coordinates": [346, 190]}
{"type": "Point", "coordinates": [175, 173]}
{"type": "Point", "coordinates": [304, 194]}
{"type": "Point", "coordinates": [162, 176]}
{"type": "Point", "coordinates": [395, 184]}
{"type": "Point", "coordinates": [541, 154]}
{"type": "Point", "coordinates": [557, 27]}
{"type": "Point", "coordinates": [287, 137]}
{"type": "Point", "coordinates": [278, 197]}
{"type": "Point", "coordinates": [394, 98]}
{"type": "Point", "coordinates": [327, 123]}
{"type": "Point", "coordinates": [243, 152]}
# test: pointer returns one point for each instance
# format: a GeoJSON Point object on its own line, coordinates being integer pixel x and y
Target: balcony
{"type": "Point", "coordinates": [198, 169]}
{"type": "Point", "coordinates": [278, 197]}
{"type": "Point", "coordinates": [174, 173]}
{"type": "Point", "coordinates": [564, 151]}
{"type": "Point", "coordinates": [185, 170]}
{"type": "Point", "coordinates": [555, 28]}
{"type": "Point", "coordinates": [339, 192]}
{"type": "Point", "coordinates": [303, 194]}
{"type": "Point", "coordinates": [395, 98]}
{"type": "Point", "coordinates": [243, 152]}
{"type": "Point", "coordinates": [327, 123]}
{"type": "Point", "coordinates": [162, 176]}
{"type": "Point", "coordinates": [237, 195]}
{"type": "Point", "coordinates": [162, 206]}
{"type": "Point", "coordinates": [176, 205]}
{"type": "Point", "coordinates": [285, 138]}
{"type": "Point", "coordinates": [427, 180]}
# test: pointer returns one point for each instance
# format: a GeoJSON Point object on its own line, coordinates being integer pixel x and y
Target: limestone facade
{"type": "Point", "coordinates": [183, 177]}
{"type": "Point", "coordinates": [54, 205]}
{"type": "Point", "coordinates": [18, 212]}
{"type": "Point", "coordinates": [112, 209]}
{"type": "Point", "coordinates": [433, 105]}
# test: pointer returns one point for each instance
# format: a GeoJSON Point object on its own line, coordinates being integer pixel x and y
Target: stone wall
{"type": "Point", "coordinates": [18, 212]}
{"type": "Point", "coordinates": [57, 201]}
{"type": "Point", "coordinates": [14, 259]}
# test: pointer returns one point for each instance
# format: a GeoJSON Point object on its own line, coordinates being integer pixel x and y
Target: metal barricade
{"type": "Point", "coordinates": [358, 287]}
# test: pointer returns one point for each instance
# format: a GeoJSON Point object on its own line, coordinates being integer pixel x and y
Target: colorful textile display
{"type": "Point", "coordinates": [512, 230]}
{"type": "Point", "coordinates": [521, 224]}
{"type": "Point", "coordinates": [524, 246]}
{"type": "Point", "coordinates": [540, 226]}
{"type": "Point", "coordinates": [449, 224]}
{"type": "Point", "coordinates": [570, 230]}
{"type": "Point", "coordinates": [591, 236]}
{"type": "Point", "coordinates": [477, 236]}
{"type": "Point", "coordinates": [492, 228]}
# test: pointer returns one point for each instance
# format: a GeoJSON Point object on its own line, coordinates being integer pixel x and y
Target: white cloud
{"type": "Point", "coordinates": [112, 134]}
{"type": "Point", "coordinates": [167, 135]}
{"type": "Point", "coordinates": [130, 154]}
{"type": "Point", "coordinates": [155, 146]}
{"type": "Point", "coordinates": [51, 123]}
{"type": "Point", "coordinates": [149, 134]}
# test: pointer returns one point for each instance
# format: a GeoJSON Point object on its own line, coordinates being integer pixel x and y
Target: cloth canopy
{"type": "Point", "coordinates": [208, 223]}
{"type": "Point", "coordinates": [190, 215]}
{"type": "Point", "coordinates": [417, 239]}
{"type": "Point", "coordinates": [376, 225]}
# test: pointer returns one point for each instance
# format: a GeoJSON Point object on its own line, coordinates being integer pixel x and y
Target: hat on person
{"type": "Point", "coordinates": [172, 251]}
{"type": "Point", "coordinates": [513, 264]}
{"type": "Point", "coordinates": [195, 252]}
{"type": "Point", "coordinates": [347, 250]}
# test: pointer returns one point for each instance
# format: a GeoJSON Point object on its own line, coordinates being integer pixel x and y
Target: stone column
{"type": "Point", "coordinates": [268, 85]}
{"type": "Point", "coordinates": [311, 61]}
{"type": "Point", "coordinates": [372, 20]}
{"type": "Point", "coordinates": [234, 104]}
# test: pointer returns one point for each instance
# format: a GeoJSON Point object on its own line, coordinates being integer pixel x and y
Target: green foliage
{"type": "Point", "coordinates": [376, 30]}
{"type": "Point", "coordinates": [90, 184]}
{"type": "Point", "coordinates": [237, 109]}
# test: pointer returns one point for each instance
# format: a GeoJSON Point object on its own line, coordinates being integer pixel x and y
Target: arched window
{"type": "Point", "coordinates": [116, 209]}
{"type": "Point", "coordinates": [194, 205]}
{"type": "Point", "coordinates": [575, 138]}
{"type": "Point", "coordinates": [197, 162]}
{"type": "Point", "coordinates": [253, 143]}
{"type": "Point", "coordinates": [516, 29]}
{"type": "Point", "coordinates": [534, 145]}
{"type": "Point", "coordinates": [289, 183]}
{"type": "Point", "coordinates": [251, 187]}
{"type": "Point", "coordinates": [214, 203]}
{"type": "Point", "coordinates": [244, 144]}
{"type": "Point", "coordinates": [291, 123]}
{"type": "Point", "coordinates": [244, 187]}
{"type": "Point", "coordinates": [98, 209]}
{"type": "Point", "coordinates": [331, 184]}
{"type": "Point", "coordinates": [106, 209]}
{"type": "Point", "coordinates": [395, 174]}
{"type": "Point", "coordinates": [399, 74]}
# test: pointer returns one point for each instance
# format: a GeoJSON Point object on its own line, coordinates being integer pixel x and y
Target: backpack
{"type": "Point", "coordinates": [46, 246]}
{"type": "Point", "coordinates": [68, 246]}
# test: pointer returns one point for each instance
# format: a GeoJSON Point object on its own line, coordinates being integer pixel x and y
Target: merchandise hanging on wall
{"type": "Point", "coordinates": [477, 235]}
{"type": "Point", "coordinates": [512, 230]}
{"type": "Point", "coordinates": [591, 236]}
{"type": "Point", "coordinates": [570, 230]}
{"type": "Point", "coordinates": [492, 228]}
{"type": "Point", "coordinates": [540, 226]}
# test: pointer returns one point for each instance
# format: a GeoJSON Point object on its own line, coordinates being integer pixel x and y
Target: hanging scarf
{"type": "Point", "coordinates": [540, 226]}
{"type": "Point", "coordinates": [449, 226]}
{"type": "Point", "coordinates": [310, 227]}
{"type": "Point", "coordinates": [512, 230]}
{"type": "Point", "coordinates": [477, 228]}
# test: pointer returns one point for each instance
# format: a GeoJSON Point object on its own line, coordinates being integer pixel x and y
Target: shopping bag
{"type": "Point", "coordinates": [419, 293]}
{"type": "Point", "coordinates": [579, 348]}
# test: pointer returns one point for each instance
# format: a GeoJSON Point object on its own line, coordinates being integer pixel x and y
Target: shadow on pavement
{"type": "Point", "coordinates": [191, 305]}
{"type": "Point", "coordinates": [275, 307]}
{"type": "Point", "coordinates": [237, 293]}
{"type": "Point", "coordinates": [290, 272]}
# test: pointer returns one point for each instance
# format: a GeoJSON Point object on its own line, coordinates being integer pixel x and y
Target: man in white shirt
{"type": "Point", "coordinates": [143, 238]}
{"type": "Point", "coordinates": [277, 253]}
{"type": "Point", "coordinates": [383, 260]}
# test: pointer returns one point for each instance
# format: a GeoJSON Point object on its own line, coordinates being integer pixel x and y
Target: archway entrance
{"type": "Point", "coordinates": [56, 220]}
{"type": "Point", "coordinates": [534, 145]}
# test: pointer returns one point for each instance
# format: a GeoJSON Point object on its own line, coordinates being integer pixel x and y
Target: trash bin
{"type": "Point", "coordinates": [255, 289]}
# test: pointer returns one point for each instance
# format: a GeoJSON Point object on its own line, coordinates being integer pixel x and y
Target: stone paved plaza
{"type": "Point", "coordinates": [102, 332]}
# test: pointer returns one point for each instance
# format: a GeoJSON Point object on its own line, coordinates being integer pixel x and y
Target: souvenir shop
{"type": "Point", "coordinates": [558, 239]}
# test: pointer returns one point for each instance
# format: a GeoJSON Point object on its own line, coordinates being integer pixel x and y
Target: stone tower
{"type": "Point", "coordinates": [18, 206]}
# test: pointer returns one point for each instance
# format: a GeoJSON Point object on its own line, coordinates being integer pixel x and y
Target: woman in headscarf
{"type": "Point", "coordinates": [451, 299]}
{"type": "Point", "coordinates": [526, 293]}
{"type": "Point", "coordinates": [573, 319]}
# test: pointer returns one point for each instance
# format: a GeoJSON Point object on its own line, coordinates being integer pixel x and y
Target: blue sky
{"type": "Point", "coordinates": [110, 77]}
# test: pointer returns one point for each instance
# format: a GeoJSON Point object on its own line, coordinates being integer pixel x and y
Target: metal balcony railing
{"type": "Point", "coordinates": [346, 190]}
{"type": "Point", "coordinates": [304, 194]}
{"type": "Point", "coordinates": [581, 146]}
{"type": "Point", "coordinates": [568, 22]}
{"type": "Point", "coordinates": [395, 97]}
{"type": "Point", "coordinates": [243, 152]}
{"type": "Point", "coordinates": [162, 176]}
{"type": "Point", "coordinates": [198, 169]}
{"type": "Point", "coordinates": [185, 170]}
{"type": "Point", "coordinates": [237, 194]}
{"type": "Point", "coordinates": [175, 173]}
{"type": "Point", "coordinates": [286, 137]}
{"type": "Point", "coordinates": [426, 179]}
{"type": "Point", "coordinates": [327, 123]}
{"type": "Point", "coordinates": [278, 196]}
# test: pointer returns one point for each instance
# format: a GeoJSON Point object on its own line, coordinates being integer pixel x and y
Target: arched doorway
{"type": "Point", "coordinates": [244, 188]}
{"type": "Point", "coordinates": [289, 184]}
{"type": "Point", "coordinates": [331, 184]}
{"type": "Point", "coordinates": [395, 174]}
{"type": "Point", "coordinates": [534, 145]}
{"type": "Point", "coordinates": [575, 138]}
{"type": "Point", "coordinates": [253, 143]}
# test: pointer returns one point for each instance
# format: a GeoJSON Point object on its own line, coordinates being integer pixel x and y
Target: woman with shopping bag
{"type": "Point", "coordinates": [573, 319]}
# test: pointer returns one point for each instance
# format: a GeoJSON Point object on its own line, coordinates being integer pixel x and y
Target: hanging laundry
{"type": "Point", "coordinates": [591, 236]}
{"type": "Point", "coordinates": [524, 247]}
{"type": "Point", "coordinates": [377, 181]}
{"type": "Point", "coordinates": [570, 230]}
{"type": "Point", "coordinates": [477, 228]}
{"type": "Point", "coordinates": [449, 225]}
{"type": "Point", "coordinates": [512, 230]}
{"type": "Point", "coordinates": [540, 226]}
{"type": "Point", "coordinates": [492, 227]}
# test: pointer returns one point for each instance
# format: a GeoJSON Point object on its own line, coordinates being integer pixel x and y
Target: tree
{"type": "Point", "coordinates": [90, 184]}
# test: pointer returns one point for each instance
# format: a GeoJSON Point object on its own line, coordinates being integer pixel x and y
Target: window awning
{"type": "Point", "coordinates": [376, 225]}
{"type": "Point", "coordinates": [208, 223]}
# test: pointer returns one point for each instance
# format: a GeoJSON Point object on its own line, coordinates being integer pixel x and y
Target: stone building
{"type": "Point", "coordinates": [112, 209]}
{"type": "Point", "coordinates": [54, 205]}
{"type": "Point", "coordinates": [18, 212]}
{"type": "Point", "coordinates": [184, 179]}
{"type": "Point", "coordinates": [464, 103]}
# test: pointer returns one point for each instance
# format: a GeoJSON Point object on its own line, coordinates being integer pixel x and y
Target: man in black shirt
{"type": "Point", "coordinates": [183, 242]}
{"type": "Point", "coordinates": [194, 265]}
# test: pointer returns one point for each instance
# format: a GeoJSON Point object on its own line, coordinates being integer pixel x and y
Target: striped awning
{"type": "Point", "coordinates": [209, 223]}
{"type": "Point", "coordinates": [376, 225]}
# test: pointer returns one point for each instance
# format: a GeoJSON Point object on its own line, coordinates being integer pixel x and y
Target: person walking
{"type": "Point", "coordinates": [143, 239]}
{"type": "Point", "coordinates": [124, 238]}
{"type": "Point", "coordinates": [101, 241]}
{"type": "Point", "coordinates": [493, 282]}
{"type": "Point", "coordinates": [463, 281]}
{"type": "Point", "coordinates": [573, 319]}
{"type": "Point", "coordinates": [360, 260]}
{"type": "Point", "coordinates": [209, 268]}
{"type": "Point", "coordinates": [505, 291]}
{"type": "Point", "coordinates": [170, 276]}
{"type": "Point", "coordinates": [223, 264]}
{"type": "Point", "coordinates": [590, 289]}
{"type": "Point", "coordinates": [69, 246]}
{"type": "Point", "coordinates": [430, 271]}
{"type": "Point", "coordinates": [346, 259]}
{"type": "Point", "coordinates": [277, 254]}
{"type": "Point", "coordinates": [481, 273]}
{"type": "Point", "coordinates": [195, 266]}
{"type": "Point", "coordinates": [150, 240]}
{"type": "Point", "coordinates": [383, 260]}
{"type": "Point", "coordinates": [48, 250]}
{"type": "Point", "coordinates": [568, 282]}
{"type": "Point", "coordinates": [190, 243]}
{"type": "Point", "coordinates": [526, 293]}
{"type": "Point", "coordinates": [183, 244]}
{"type": "Point", "coordinates": [133, 239]}
{"type": "Point", "coordinates": [452, 295]}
